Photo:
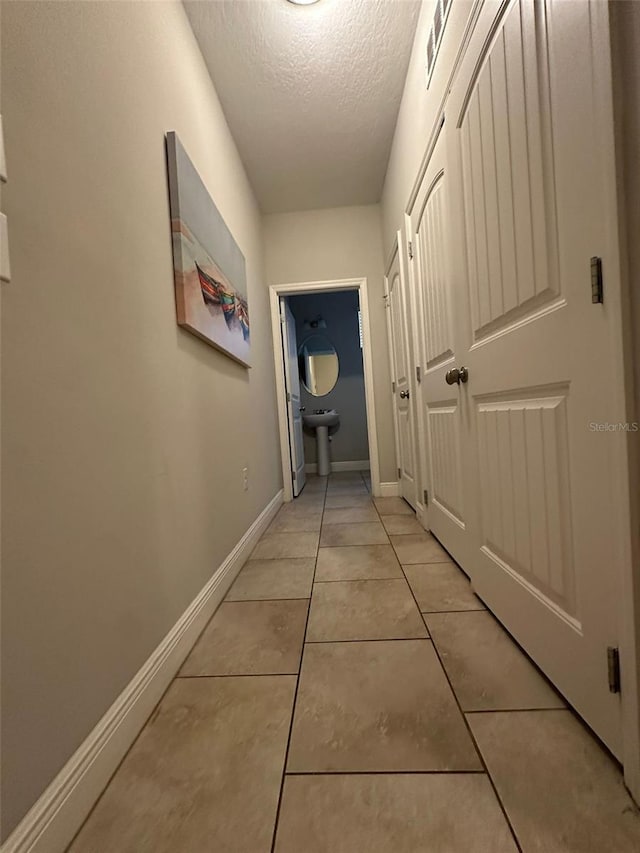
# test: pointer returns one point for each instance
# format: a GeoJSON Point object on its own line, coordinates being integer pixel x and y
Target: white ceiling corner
{"type": "Point", "coordinates": [311, 93]}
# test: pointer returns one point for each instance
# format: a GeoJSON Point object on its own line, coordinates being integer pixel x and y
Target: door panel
{"type": "Point", "coordinates": [292, 387]}
{"type": "Point", "coordinates": [526, 178]}
{"type": "Point", "coordinates": [446, 480]}
{"type": "Point", "coordinates": [431, 259]}
{"type": "Point", "coordinates": [441, 416]}
{"type": "Point", "coordinates": [402, 378]}
{"type": "Point", "coordinates": [525, 498]}
{"type": "Point", "coordinates": [508, 177]}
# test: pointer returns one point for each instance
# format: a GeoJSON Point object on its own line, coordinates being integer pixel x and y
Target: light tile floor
{"type": "Point", "coordinates": [353, 694]}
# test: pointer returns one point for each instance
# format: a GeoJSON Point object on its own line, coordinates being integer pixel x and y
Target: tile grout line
{"type": "Point", "coordinates": [362, 545]}
{"type": "Point", "coordinates": [285, 774]}
{"type": "Point", "coordinates": [154, 712]}
{"type": "Point", "coordinates": [380, 544]}
{"type": "Point", "coordinates": [276, 559]}
{"type": "Point", "coordinates": [465, 610]}
{"type": "Point", "coordinates": [369, 640]}
{"type": "Point", "coordinates": [237, 675]}
{"type": "Point", "coordinates": [295, 692]}
{"type": "Point", "coordinates": [297, 675]}
{"type": "Point", "coordinates": [476, 747]}
{"type": "Point", "coordinates": [475, 744]}
{"type": "Point", "coordinates": [177, 677]}
{"type": "Point", "coordinates": [513, 710]}
{"type": "Point", "coordinates": [151, 717]}
{"type": "Point", "coordinates": [483, 609]}
{"type": "Point", "coordinates": [359, 580]}
{"type": "Point", "coordinates": [462, 714]}
{"type": "Point", "coordinates": [283, 598]}
{"type": "Point", "coordinates": [387, 773]}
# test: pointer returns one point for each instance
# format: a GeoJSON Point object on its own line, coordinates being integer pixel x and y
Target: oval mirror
{"type": "Point", "coordinates": [318, 365]}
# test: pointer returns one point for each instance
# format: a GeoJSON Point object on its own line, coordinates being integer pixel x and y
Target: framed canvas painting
{"type": "Point", "coordinates": [209, 268]}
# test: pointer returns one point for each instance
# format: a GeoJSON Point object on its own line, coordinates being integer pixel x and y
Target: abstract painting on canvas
{"type": "Point", "coordinates": [209, 268]}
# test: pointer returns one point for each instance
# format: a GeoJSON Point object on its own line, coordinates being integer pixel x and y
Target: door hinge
{"type": "Point", "coordinates": [418, 373]}
{"type": "Point", "coordinates": [393, 387]}
{"type": "Point", "coordinates": [597, 294]}
{"type": "Point", "coordinates": [613, 667]}
{"type": "Point", "coordinates": [425, 495]}
{"type": "Point", "coordinates": [288, 397]}
{"type": "Point", "coordinates": [399, 473]}
{"type": "Point", "coordinates": [410, 248]}
{"type": "Point", "coordinates": [293, 475]}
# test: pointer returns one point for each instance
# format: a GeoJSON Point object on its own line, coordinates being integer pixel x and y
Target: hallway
{"type": "Point", "coordinates": [192, 663]}
{"type": "Point", "coordinates": [413, 723]}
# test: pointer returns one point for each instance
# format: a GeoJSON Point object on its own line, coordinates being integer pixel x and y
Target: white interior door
{"type": "Point", "coordinates": [292, 389]}
{"type": "Point", "coordinates": [442, 414]}
{"type": "Point", "coordinates": [529, 167]}
{"type": "Point", "coordinates": [402, 384]}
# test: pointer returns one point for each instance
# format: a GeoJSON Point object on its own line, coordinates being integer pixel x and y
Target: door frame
{"type": "Point", "coordinates": [622, 453]}
{"type": "Point", "coordinates": [622, 28]}
{"type": "Point", "coordinates": [291, 380]}
{"type": "Point", "coordinates": [399, 250]}
{"type": "Point", "coordinates": [392, 355]}
{"type": "Point", "coordinates": [296, 289]}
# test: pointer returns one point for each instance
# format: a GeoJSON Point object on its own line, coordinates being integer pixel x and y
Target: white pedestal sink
{"type": "Point", "coordinates": [323, 422]}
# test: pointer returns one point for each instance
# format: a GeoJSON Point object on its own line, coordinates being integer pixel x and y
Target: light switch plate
{"type": "Point", "coordinates": [3, 159]}
{"type": "Point", "coordinates": [5, 269]}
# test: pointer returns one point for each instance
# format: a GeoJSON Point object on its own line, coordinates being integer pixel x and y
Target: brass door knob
{"type": "Point", "coordinates": [456, 375]}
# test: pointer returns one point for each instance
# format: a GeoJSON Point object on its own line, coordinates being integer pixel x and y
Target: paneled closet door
{"type": "Point", "coordinates": [528, 169]}
{"type": "Point", "coordinates": [401, 364]}
{"type": "Point", "coordinates": [442, 407]}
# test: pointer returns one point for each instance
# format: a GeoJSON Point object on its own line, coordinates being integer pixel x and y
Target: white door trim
{"type": "Point", "coordinates": [408, 275]}
{"type": "Point", "coordinates": [292, 388]}
{"type": "Point", "coordinates": [275, 292]}
{"type": "Point", "coordinates": [407, 311]}
{"type": "Point", "coordinates": [392, 356]}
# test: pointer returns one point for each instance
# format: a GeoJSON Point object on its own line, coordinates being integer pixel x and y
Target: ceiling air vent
{"type": "Point", "coordinates": [435, 34]}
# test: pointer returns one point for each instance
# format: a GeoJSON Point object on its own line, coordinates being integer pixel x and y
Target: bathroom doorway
{"type": "Point", "coordinates": [324, 379]}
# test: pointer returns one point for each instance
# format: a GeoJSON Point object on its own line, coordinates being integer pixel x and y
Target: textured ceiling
{"type": "Point", "coordinates": [311, 93]}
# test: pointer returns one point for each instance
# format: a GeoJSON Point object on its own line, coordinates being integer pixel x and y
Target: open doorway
{"type": "Point", "coordinates": [324, 379]}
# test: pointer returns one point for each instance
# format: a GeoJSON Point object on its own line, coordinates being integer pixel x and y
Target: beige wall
{"type": "Point", "coordinates": [341, 242]}
{"type": "Point", "coordinates": [419, 111]}
{"type": "Point", "coordinates": [123, 436]}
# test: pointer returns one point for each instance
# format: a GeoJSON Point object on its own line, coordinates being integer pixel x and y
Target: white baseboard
{"type": "Point", "coordinates": [358, 465]}
{"type": "Point", "coordinates": [389, 490]}
{"type": "Point", "coordinates": [58, 814]}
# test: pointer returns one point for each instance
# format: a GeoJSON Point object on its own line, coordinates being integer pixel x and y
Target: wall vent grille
{"type": "Point", "coordinates": [435, 35]}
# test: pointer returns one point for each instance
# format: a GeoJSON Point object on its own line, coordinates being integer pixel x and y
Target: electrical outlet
{"type": "Point", "coordinates": [3, 161]}
{"type": "Point", "coordinates": [245, 479]}
{"type": "Point", "coordinates": [5, 269]}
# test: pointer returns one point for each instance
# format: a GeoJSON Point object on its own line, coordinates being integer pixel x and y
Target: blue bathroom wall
{"type": "Point", "coordinates": [340, 312]}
